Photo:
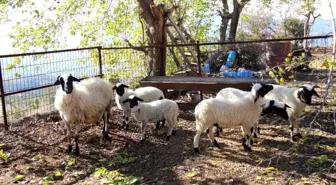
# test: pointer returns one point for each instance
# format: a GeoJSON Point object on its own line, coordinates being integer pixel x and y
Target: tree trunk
{"type": "Point", "coordinates": [155, 24]}
{"type": "Point", "coordinates": [225, 15]}
{"type": "Point", "coordinates": [306, 31]}
{"type": "Point", "coordinates": [235, 15]}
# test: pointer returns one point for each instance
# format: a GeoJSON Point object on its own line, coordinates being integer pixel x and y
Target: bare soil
{"type": "Point", "coordinates": [37, 148]}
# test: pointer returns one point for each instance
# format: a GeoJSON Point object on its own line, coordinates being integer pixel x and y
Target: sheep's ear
{"type": "Point", "coordinates": [316, 86]}
{"type": "Point", "coordinates": [58, 82]}
{"type": "Point", "coordinates": [287, 106]}
{"type": "Point", "coordinates": [123, 85]}
{"type": "Point", "coordinates": [114, 88]}
{"type": "Point", "coordinates": [125, 101]}
{"type": "Point", "coordinates": [139, 99]}
{"type": "Point", "coordinates": [75, 79]}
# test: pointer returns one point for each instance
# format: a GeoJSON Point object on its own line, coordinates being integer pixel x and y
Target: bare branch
{"type": "Point", "coordinates": [136, 48]}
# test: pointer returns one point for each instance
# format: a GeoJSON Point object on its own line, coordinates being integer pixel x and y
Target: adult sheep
{"type": "Point", "coordinates": [85, 102]}
{"type": "Point", "coordinates": [268, 107]}
{"type": "Point", "coordinates": [297, 99]}
{"type": "Point", "coordinates": [243, 112]}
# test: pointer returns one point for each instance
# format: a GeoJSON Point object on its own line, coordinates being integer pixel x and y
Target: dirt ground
{"type": "Point", "coordinates": [33, 152]}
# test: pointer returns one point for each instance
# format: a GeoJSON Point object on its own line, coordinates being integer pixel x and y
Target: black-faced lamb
{"type": "Point", "coordinates": [88, 102]}
{"type": "Point", "coordinates": [154, 111]}
{"type": "Point", "coordinates": [297, 99]}
{"type": "Point", "coordinates": [147, 94]}
{"type": "Point", "coordinates": [268, 106]}
{"type": "Point", "coordinates": [243, 112]}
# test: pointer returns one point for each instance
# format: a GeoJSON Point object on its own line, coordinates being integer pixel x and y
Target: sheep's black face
{"type": "Point", "coordinates": [133, 101]}
{"type": "Point", "coordinates": [66, 81]}
{"type": "Point", "coordinates": [261, 90]}
{"type": "Point", "coordinates": [306, 92]}
{"type": "Point", "coordinates": [120, 88]}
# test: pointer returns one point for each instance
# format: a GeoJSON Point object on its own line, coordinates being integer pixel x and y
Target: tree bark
{"type": "Point", "coordinates": [155, 24]}
{"type": "Point", "coordinates": [225, 15]}
{"type": "Point", "coordinates": [306, 31]}
{"type": "Point", "coordinates": [235, 15]}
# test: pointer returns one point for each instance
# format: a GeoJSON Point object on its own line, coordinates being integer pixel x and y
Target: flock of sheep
{"type": "Point", "coordinates": [90, 100]}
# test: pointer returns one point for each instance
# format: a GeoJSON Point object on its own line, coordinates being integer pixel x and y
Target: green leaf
{"type": "Point", "coordinates": [186, 148]}
{"type": "Point", "coordinates": [269, 178]}
{"type": "Point", "coordinates": [18, 178]}
{"type": "Point", "coordinates": [258, 178]}
{"type": "Point", "coordinates": [271, 74]}
{"type": "Point", "coordinates": [57, 174]}
{"type": "Point", "coordinates": [292, 162]}
{"type": "Point", "coordinates": [271, 168]}
{"type": "Point", "coordinates": [191, 174]}
{"type": "Point", "coordinates": [71, 162]}
{"type": "Point", "coordinates": [131, 159]}
{"type": "Point", "coordinates": [100, 172]}
{"type": "Point", "coordinates": [1, 145]}
{"type": "Point", "coordinates": [282, 81]}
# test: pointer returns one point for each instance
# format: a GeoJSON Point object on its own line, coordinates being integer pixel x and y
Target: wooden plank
{"type": "Point", "coordinates": [200, 83]}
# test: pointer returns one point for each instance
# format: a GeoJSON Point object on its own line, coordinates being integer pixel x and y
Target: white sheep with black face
{"type": "Point", "coordinates": [242, 112]}
{"type": "Point", "coordinates": [297, 99]}
{"type": "Point", "coordinates": [269, 106]}
{"type": "Point", "coordinates": [148, 94]}
{"type": "Point", "coordinates": [154, 111]}
{"type": "Point", "coordinates": [85, 102]}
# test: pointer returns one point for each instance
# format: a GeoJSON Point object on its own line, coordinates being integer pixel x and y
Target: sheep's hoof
{"type": "Point", "coordinates": [251, 142]}
{"type": "Point", "coordinates": [126, 127]}
{"type": "Point", "coordinates": [168, 137]}
{"type": "Point", "coordinates": [255, 135]}
{"type": "Point", "coordinates": [258, 130]}
{"type": "Point", "coordinates": [247, 148]}
{"type": "Point", "coordinates": [105, 135]}
{"type": "Point", "coordinates": [196, 150]}
{"type": "Point", "coordinates": [69, 150]}
{"type": "Point", "coordinates": [207, 131]}
{"type": "Point", "coordinates": [214, 142]}
{"type": "Point", "coordinates": [142, 140]}
{"type": "Point", "coordinates": [299, 135]}
{"type": "Point", "coordinates": [174, 132]}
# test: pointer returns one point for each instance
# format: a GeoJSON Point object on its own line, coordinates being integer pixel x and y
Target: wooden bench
{"type": "Point", "coordinates": [201, 83]}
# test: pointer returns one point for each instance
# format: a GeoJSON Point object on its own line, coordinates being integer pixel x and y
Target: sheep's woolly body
{"type": "Point", "coordinates": [86, 103]}
{"type": "Point", "coordinates": [228, 113]}
{"type": "Point", "coordinates": [289, 97]}
{"type": "Point", "coordinates": [156, 111]}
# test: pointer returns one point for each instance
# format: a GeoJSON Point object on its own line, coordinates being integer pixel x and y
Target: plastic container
{"type": "Point", "coordinates": [206, 68]}
{"type": "Point", "coordinates": [244, 74]}
{"type": "Point", "coordinates": [230, 58]}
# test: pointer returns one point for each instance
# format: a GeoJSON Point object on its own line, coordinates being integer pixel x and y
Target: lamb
{"type": "Point", "coordinates": [85, 102]}
{"type": "Point", "coordinates": [147, 94]}
{"type": "Point", "coordinates": [269, 106]}
{"type": "Point", "coordinates": [154, 111]}
{"type": "Point", "coordinates": [243, 112]}
{"type": "Point", "coordinates": [297, 99]}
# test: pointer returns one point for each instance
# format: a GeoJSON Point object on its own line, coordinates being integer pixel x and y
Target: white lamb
{"type": "Point", "coordinates": [154, 111]}
{"type": "Point", "coordinates": [243, 112]}
{"type": "Point", "coordinates": [85, 102]}
{"type": "Point", "coordinates": [147, 94]}
{"type": "Point", "coordinates": [268, 107]}
{"type": "Point", "coordinates": [297, 99]}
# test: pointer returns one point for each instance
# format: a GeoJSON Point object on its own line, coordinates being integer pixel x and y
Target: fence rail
{"type": "Point", "coordinates": [24, 76]}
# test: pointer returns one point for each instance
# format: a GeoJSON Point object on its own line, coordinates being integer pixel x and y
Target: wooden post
{"type": "Point", "coordinates": [199, 65]}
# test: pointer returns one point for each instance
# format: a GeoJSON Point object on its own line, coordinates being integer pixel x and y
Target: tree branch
{"type": "Point", "coordinates": [136, 48]}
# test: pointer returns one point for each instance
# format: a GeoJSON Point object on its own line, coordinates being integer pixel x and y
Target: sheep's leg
{"type": "Point", "coordinates": [199, 129]}
{"type": "Point", "coordinates": [105, 128]}
{"type": "Point", "coordinates": [247, 138]}
{"type": "Point", "coordinates": [211, 136]}
{"type": "Point", "coordinates": [218, 129]}
{"type": "Point", "coordinates": [126, 119]}
{"type": "Point", "coordinates": [76, 139]}
{"type": "Point", "coordinates": [143, 130]}
{"type": "Point", "coordinates": [295, 129]}
{"type": "Point", "coordinates": [163, 123]}
{"type": "Point", "coordinates": [68, 137]}
{"type": "Point", "coordinates": [172, 125]}
{"type": "Point", "coordinates": [256, 130]}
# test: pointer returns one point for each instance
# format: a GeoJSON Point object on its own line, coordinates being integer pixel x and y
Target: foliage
{"type": "Point", "coordinates": [4, 156]}
{"type": "Point", "coordinates": [123, 158]}
{"type": "Point", "coordinates": [18, 178]}
{"type": "Point", "coordinates": [317, 160]}
{"type": "Point", "coordinates": [39, 157]}
{"type": "Point", "coordinates": [292, 27]}
{"type": "Point", "coordinates": [115, 177]}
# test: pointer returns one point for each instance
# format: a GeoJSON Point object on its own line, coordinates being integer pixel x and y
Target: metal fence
{"type": "Point", "coordinates": [26, 80]}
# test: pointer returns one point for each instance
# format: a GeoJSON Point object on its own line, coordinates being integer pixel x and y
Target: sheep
{"type": "Point", "coordinates": [85, 102]}
{"type": "Point", "coordinates": [154, 111]}
{"type": "Point", "coordinates": [147, 94]}
{"type": "Point", "coordinates": [297, 99]}
{"type": "Point", "coordinates": [269, 106]}
{"type": "Point", "coordinates": [243, 112]}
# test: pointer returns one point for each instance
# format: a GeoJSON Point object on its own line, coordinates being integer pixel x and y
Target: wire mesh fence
{"type": "Point", "coordinates": [27, 78]}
